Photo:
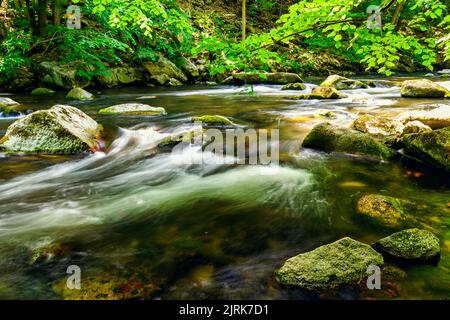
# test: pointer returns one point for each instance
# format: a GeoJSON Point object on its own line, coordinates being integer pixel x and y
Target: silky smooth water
{"type": "Point", "coordinates": [206, 231]}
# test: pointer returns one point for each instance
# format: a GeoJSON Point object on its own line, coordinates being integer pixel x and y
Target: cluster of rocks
{"type": "Point", "coordinates": [347, 261]}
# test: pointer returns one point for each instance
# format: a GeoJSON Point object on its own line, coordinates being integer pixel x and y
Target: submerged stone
{"type": "Point", "coordinates": [386, 211]}
{"type": "Point", "coordinates": [342, 83]}
{"type": "Point", "coordinates": [412, 245]}
{"type": "Point", "coordinates": [344, 262]}
{"type": "Point", "coordinates": [213, 120]}
{"type": "Point", "coordinates": [133, 109]}
{"type": "Point", "coordinates": [42, 92]}
{"type": "Point", "coordinates": [79, 94]}
{"type": "Point", "coordinates": [423, 88]}
{"type": "Point", "coordinates": [328, 137]}
{"type": "Point", "coordinates": [61, 129]}
{"type": "Point", "coordinates": [436, 118]}
{"type": "Point", "coordinates": [294, 86]}
{"type": "Point", "coordinates": [432, 147]}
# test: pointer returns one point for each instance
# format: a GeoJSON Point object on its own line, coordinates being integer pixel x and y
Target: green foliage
{"type": "Point", "coordinates": [13, 54]}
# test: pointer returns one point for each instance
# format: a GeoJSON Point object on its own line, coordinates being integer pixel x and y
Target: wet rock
{"type": "Point", "coordinates": [412, 245]}
{"type": "Point", "coordinates": [160, 79]}
{"type": "Point", "coordinates": [48, 252]}
{"type": "Point", "coordinates": [190, 69]}
{"type": "Point", "coordinates": [444, 72]}
{"type": "Point", "coordinates": [415, 127]}
{"type": "Point", "coordinates": [423, 88]}
{"type": "Point", "coordinates": [42, 92]}
{"type": "Point", "coordinates": [328, 137]}
{"type": "Point", "coordinates": [174, 83]}
{"type": "Point", "coordinates": [321, 93]}
{"type": "Point", "coordinates": [436, 118]}
{"type": "Point", "coordinates": [59, 75]}
{"type": "Point", "coordinates": [11, 108]}
{"type": "Point", "coordinates": [164, 66]}
{"type": "Point", "coordinates": [6, 102]}
{"type": "Point", "coordinates": [343, 262]}
{"type": "Point", "coordinates": [432, 147]}
{"type": "Point", "coordinates": [133, 109]}
{"type": "Point", "coordinates": [79, 94]}
{"type": "Point", "coordinates": [386, 211]}
{"type": "Point", "coordinates": [121, 76]}
{"type": "Point", "coordinates": [342, 83]}
{"type": "Point", "coordinates": [213, 120]}
{"type": "Point", "coordinates": [294, 86]}
{"type": "Point", "coordinates": [378, 126]}
{"type": "Point", "coordinates": [61, 129]}
{"type": "Point", "coordinates": [262, 78]}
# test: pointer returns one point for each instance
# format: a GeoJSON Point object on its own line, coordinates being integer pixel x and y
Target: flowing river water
{"type": "Point", "coordinates": [131, 215]}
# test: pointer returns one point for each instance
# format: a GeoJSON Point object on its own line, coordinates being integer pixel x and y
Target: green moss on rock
{"type": "Point", "coordinates": [42, 92]}
{"type": "Point", "coordinates": [343, 262]}
{"type": "Point", "coordinates": [423, 88]}
{"type": "Point", "coordinates": [342, 83]}
{"type": "Point", "coordinates": [412, 245]}
{"type": "Point", "coordinates": [321, 93]}
{"type": "Point", "coordinates": [432, 147]}
{"type": "Point", "coordinates": [378, 127]}
{"type": "Point", "coordinates": [294, 86]}
{"type": "Point", "coordinates": [213, 120]}
{"type": "Point", "coordinates": [386, 211]}
{"type": "Point", "coordinates": [328, 137]}
{"type": "Point", "coordinates": [79, 94]}
{"type": "Point", "coordinates": [133, 109]}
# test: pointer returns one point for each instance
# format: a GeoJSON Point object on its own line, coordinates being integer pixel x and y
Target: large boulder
{"type": "Point", "coordinates": [412, 245]}
{"type": "Point", "coordinates": [121, 76]}
{"type": "Point", "coordinates": [436, 118]}
{"type": "Point", "coordinates": [432, 147]}
{"type": "Point", "coordinates": [423, 88]}
{"type": "Point", "coordinates": [379, 127]}
{"type": "Point", "coordinates": [321, 93]}
{"type": "Point", "coordinates": [60, 75]}
{"type": "Point", "coordinates": [342, 83]}
{"type": "Point", "coordinates": [133, 109]}
{"type": "Point", "coordinates": [344, 262]}
{"type": "Point", "coordinates": [61, 129]}
{"type": "Point", "coordinates": [262, 78]}
{"type": "Point", "coordinates": [79, 94]}
{"type": "Point", "coordinates": [386, 211]}
{"type": "Point", "coordinates": [328, 137]}
{"type": "Point", "coordinates": [164, 66]}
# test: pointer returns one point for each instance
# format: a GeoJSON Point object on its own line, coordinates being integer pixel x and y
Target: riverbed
{"type": "Point", "coordinates": [129, 214]}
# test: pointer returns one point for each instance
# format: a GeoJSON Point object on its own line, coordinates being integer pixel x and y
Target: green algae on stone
{"type": "Point", "coordinates": [386, 211]}
{"type": "Point", "coordinates": [423, 88]}
{"type": "Point", "coordinates": [294, 86]}
{"type": "Point", "coordinates": [328, 137]}
{"type": "Point", "coordinates": [133, 109]}
{"type": "Point", "coordinates": [48, 252]}
{"type": "Point", "coordinates": [413, 245]}
{"type": "Point", "coordinates": [432, 147]}
{"type": "Point", "coordinates": [79, 94]}
{"type": "Point", "coordinates": [342, 83]}
{"type": "Point", "coordinates": [344, 262]}
{"type": "Point", "coordinates": [213, 120]}
{"type": "Point", "coordinates": [42, 92]}
{"type": "Point", "coordinates": [321, 93]}
{"type": "Point", "coordinates": [61, 129]}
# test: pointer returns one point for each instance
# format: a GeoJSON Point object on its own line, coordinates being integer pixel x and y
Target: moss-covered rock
{"type": "Point", "coordinates": [436, 118]}
{"type": "Point", "coordinates": [48, 252]}
{"type": "Point", "coordinates": [11, 108]}
{"type": "Point", "coordinates": [133, 109]}
{"type": "Point", "coordinates": [174, 83]}
{"type": "Point", "coordinates": [42, 92]}
{"type": "Point", "coordinates": [6, 102]}
{"type": "Point", "coordinates": [343, 262]}
{"type": "Point", "coordinates": [321, 93]}
{"type": "Point", "coordinates": [213, 120]}
{"type": "Point", "coordinates": [61, 129]}
{"type": "Point", "coordinates": [423, 88]}
{"type": "Point", "coordinates": [328, 137]}
{"type": "Point", "coordinates": [415, 127]}
{"type": "Point", "coordinates": [79, 94]}
{"type": "Point", "coordinates": [164, 66]}
{"type": "Point", "coordinates": [412, 245]}
{"type": "Point", "coordinates": [386, 211]}
{"type": "Point", "coordinates": [60, 75]}
{"type": "Point", "coordinates": [342, 83]}
{"type": "Point", "coordinates": [121, 76]}
{"type": "Point", "coordinates": [159, 80]}
{"type": "Point", "coordinates": [262, 78]}
{"type": "Point", "coordinates": [379, 127]}
{"type": "Point", "coordinates": [294, 86]}
{"type": "Point", "coordinates": [432, 147]}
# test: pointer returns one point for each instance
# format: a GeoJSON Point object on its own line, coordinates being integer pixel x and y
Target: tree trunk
{"type": "Point", "coordinates": [244, 19]}
{"type": "Point", "coordinates": [397, 13]}
{"type": "Point", "coordinates": [42, 17]}
{"type": "Point", "coordinates": [57, 12]}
